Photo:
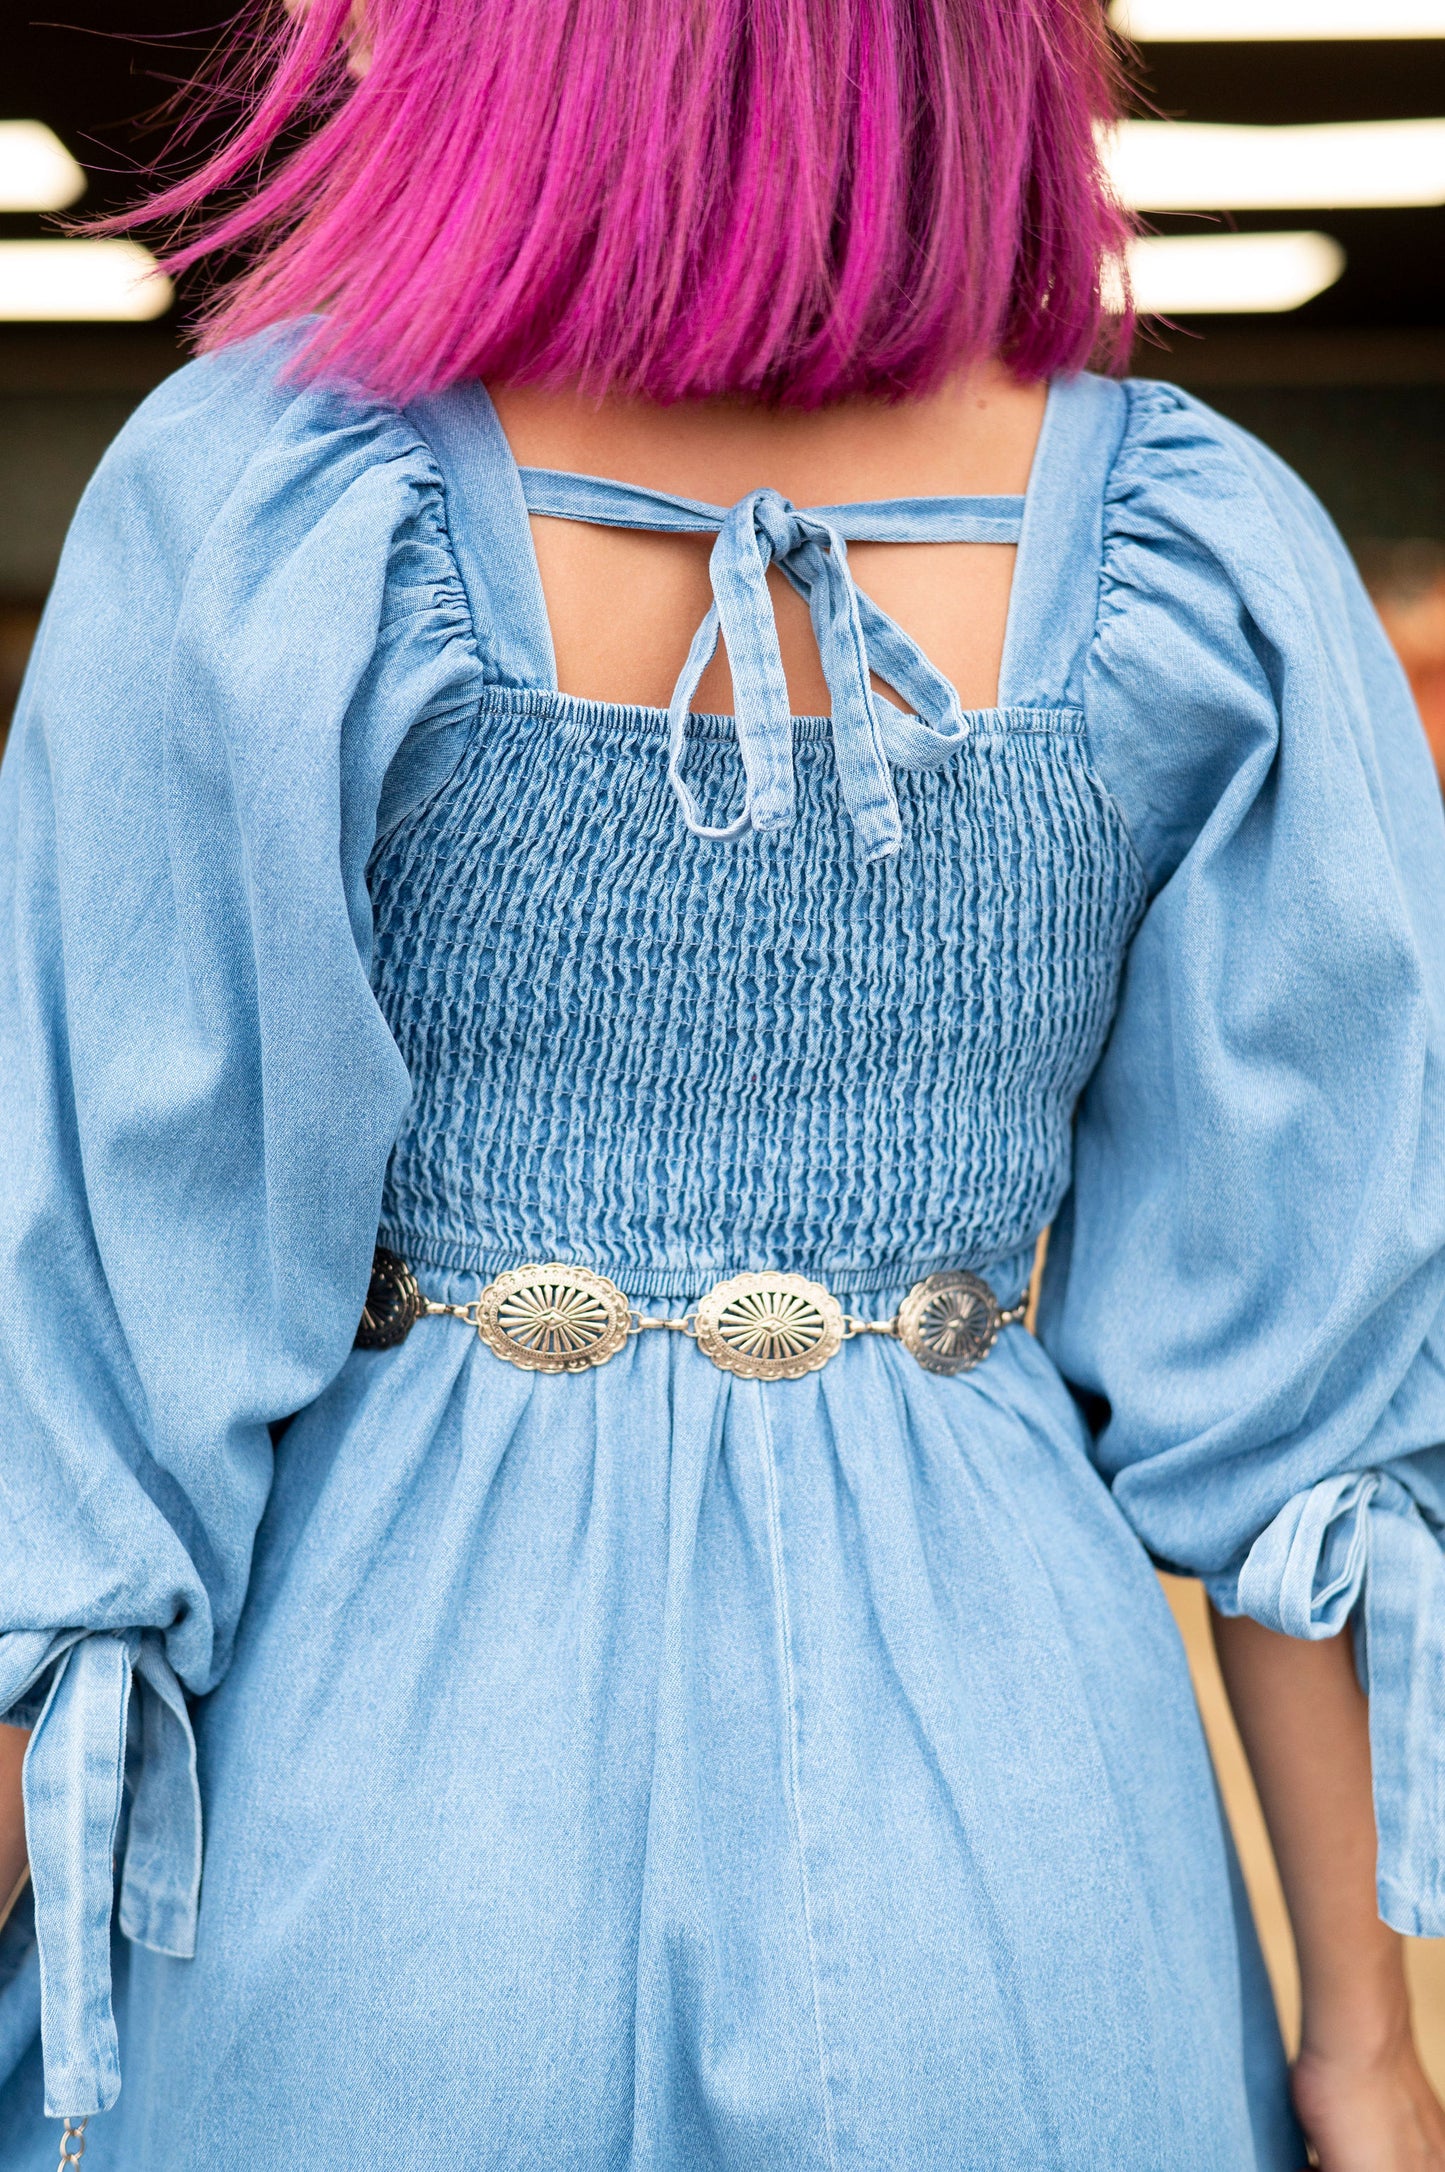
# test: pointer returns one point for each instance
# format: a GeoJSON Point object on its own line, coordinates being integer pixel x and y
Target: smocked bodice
{"type": "Point", "coordinates": [671, 1058]}
{"type": "Point", "coordinates": [680, 996]}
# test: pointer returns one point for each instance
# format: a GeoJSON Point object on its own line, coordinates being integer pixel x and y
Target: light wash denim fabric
{"type": "Point", "coordinates": [654, 1769]}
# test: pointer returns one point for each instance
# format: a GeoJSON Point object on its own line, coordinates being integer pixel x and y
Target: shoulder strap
{"type": "Point", "coordinates": [1056, 580]}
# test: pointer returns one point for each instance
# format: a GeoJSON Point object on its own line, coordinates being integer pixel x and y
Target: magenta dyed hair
{"type": "Point", "coordinates": [793, 200]}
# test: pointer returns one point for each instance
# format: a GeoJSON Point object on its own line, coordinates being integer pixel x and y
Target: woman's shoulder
{"type": "Point", "coordinates": [1184, 469]}
{"type": "Point", "coordinates": [1229, 618]}
{"type": "Point", "coordinates": [235, 433]}
{"type": "Point", "coordinates": [1206, 526]}
{"type": "Point", "coordinates": [267, 552]}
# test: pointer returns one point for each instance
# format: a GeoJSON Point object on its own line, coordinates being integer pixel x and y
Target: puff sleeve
{"type": "Point", "coordinates": [1246, 1284]}
{"type": "Point", "coordinates": [255, 611]}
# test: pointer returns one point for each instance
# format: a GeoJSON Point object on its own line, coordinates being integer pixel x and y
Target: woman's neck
{"type": "Point", "coordinates": [975, 436]}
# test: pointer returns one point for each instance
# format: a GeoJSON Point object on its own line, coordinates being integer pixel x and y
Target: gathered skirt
{"type": "Point", "coordinates": [652, 1769]}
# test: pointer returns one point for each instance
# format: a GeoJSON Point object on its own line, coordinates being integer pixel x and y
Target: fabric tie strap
{"type": "Point", "coordinates": [1361, 1545]}
{"type": "Point", "coordinates": [74, 1780]}
{"type": "Point", "coordinates": [871, 735]}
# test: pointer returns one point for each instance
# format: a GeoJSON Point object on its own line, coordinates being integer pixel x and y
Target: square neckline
{"type": "Point", "coordinates": [1019, 500]}
{"type": "Point", "coordinates": [1052, 594]}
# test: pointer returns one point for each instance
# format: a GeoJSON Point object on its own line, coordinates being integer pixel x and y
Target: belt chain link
{"type": "Point", "coordinates": [557, 1318]}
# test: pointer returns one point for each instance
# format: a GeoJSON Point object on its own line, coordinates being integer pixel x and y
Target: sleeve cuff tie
{"type": "Point", "coordinates": [1362, 1545]}
{"type": "Point", "coordinates": [74, 1782]}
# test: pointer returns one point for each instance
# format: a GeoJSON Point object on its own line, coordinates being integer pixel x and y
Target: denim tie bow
{"type": "Point", "coordinates": [871, 735]}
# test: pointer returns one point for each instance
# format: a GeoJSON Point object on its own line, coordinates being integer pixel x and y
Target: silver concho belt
{"type": "Point", "coordinates": [764, 1326]}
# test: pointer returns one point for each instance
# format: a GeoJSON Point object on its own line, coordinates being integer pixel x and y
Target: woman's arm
{"type": "Point", "coordinates": [12, 1816]}
{"type": "Point", "coordinates": [1359, 2090]}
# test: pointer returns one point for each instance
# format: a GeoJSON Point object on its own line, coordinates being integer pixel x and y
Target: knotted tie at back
{"type": "Point", "coordinates": [872, 736]}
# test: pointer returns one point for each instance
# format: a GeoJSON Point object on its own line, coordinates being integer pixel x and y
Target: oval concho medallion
{"type": "Point", "coordinates": [553, 1319]}
{"type": "Point", "coordinates": [393, 1303]}
{"type": "Point", "coordinates": [769, 1326]}
{"type": "Point", "coordinates": [950, 1322]}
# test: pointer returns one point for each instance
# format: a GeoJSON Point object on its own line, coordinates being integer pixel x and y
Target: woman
{"type": "Point", "coordinates": [689, 1687]}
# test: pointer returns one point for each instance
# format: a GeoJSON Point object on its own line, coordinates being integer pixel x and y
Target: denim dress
{"type": "Point", "coordinates": [649, 1768]}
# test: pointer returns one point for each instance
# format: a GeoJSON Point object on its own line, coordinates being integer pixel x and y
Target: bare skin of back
{"type": "Point", "coordinates": [624, 605]}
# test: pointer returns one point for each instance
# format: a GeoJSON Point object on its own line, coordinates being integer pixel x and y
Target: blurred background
{"type": "Point", "coordinates": [1288, 157]}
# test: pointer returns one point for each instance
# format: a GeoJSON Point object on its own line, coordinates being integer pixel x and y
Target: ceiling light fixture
{"type": "Point", "coordinates": [1187, 275]}
{"type": "Point", "coordinates": [79, 281]}
{"type": "Point", "coordinates": [1187, 20]}
{"type": "Point", "coordinates": [1218, 166]}
{"type": "Point", "coordinates": [37, 173]}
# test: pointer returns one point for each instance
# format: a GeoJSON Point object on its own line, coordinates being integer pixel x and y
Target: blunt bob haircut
{"type": "Point", "coordinates": [787, 200]}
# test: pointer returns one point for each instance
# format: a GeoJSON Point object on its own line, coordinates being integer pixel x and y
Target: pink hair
{"type": "Point", "coordinates": [792, 200]}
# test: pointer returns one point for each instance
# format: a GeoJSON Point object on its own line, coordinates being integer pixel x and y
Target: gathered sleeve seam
{"type": "Point", "coordinates": [1101, 583]}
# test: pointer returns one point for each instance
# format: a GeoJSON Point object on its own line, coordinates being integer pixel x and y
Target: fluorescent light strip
{"type": "Point", "coordinates": [1187, 275]}
{"type": "Point", "coordinates": [1213, 166]}
{"type": "Point", "coordinates": [37, 173]}
{"type": "Point", "coordinates": [1217, 20]}
{"type": "Point", "coordinates": [73, 282]}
